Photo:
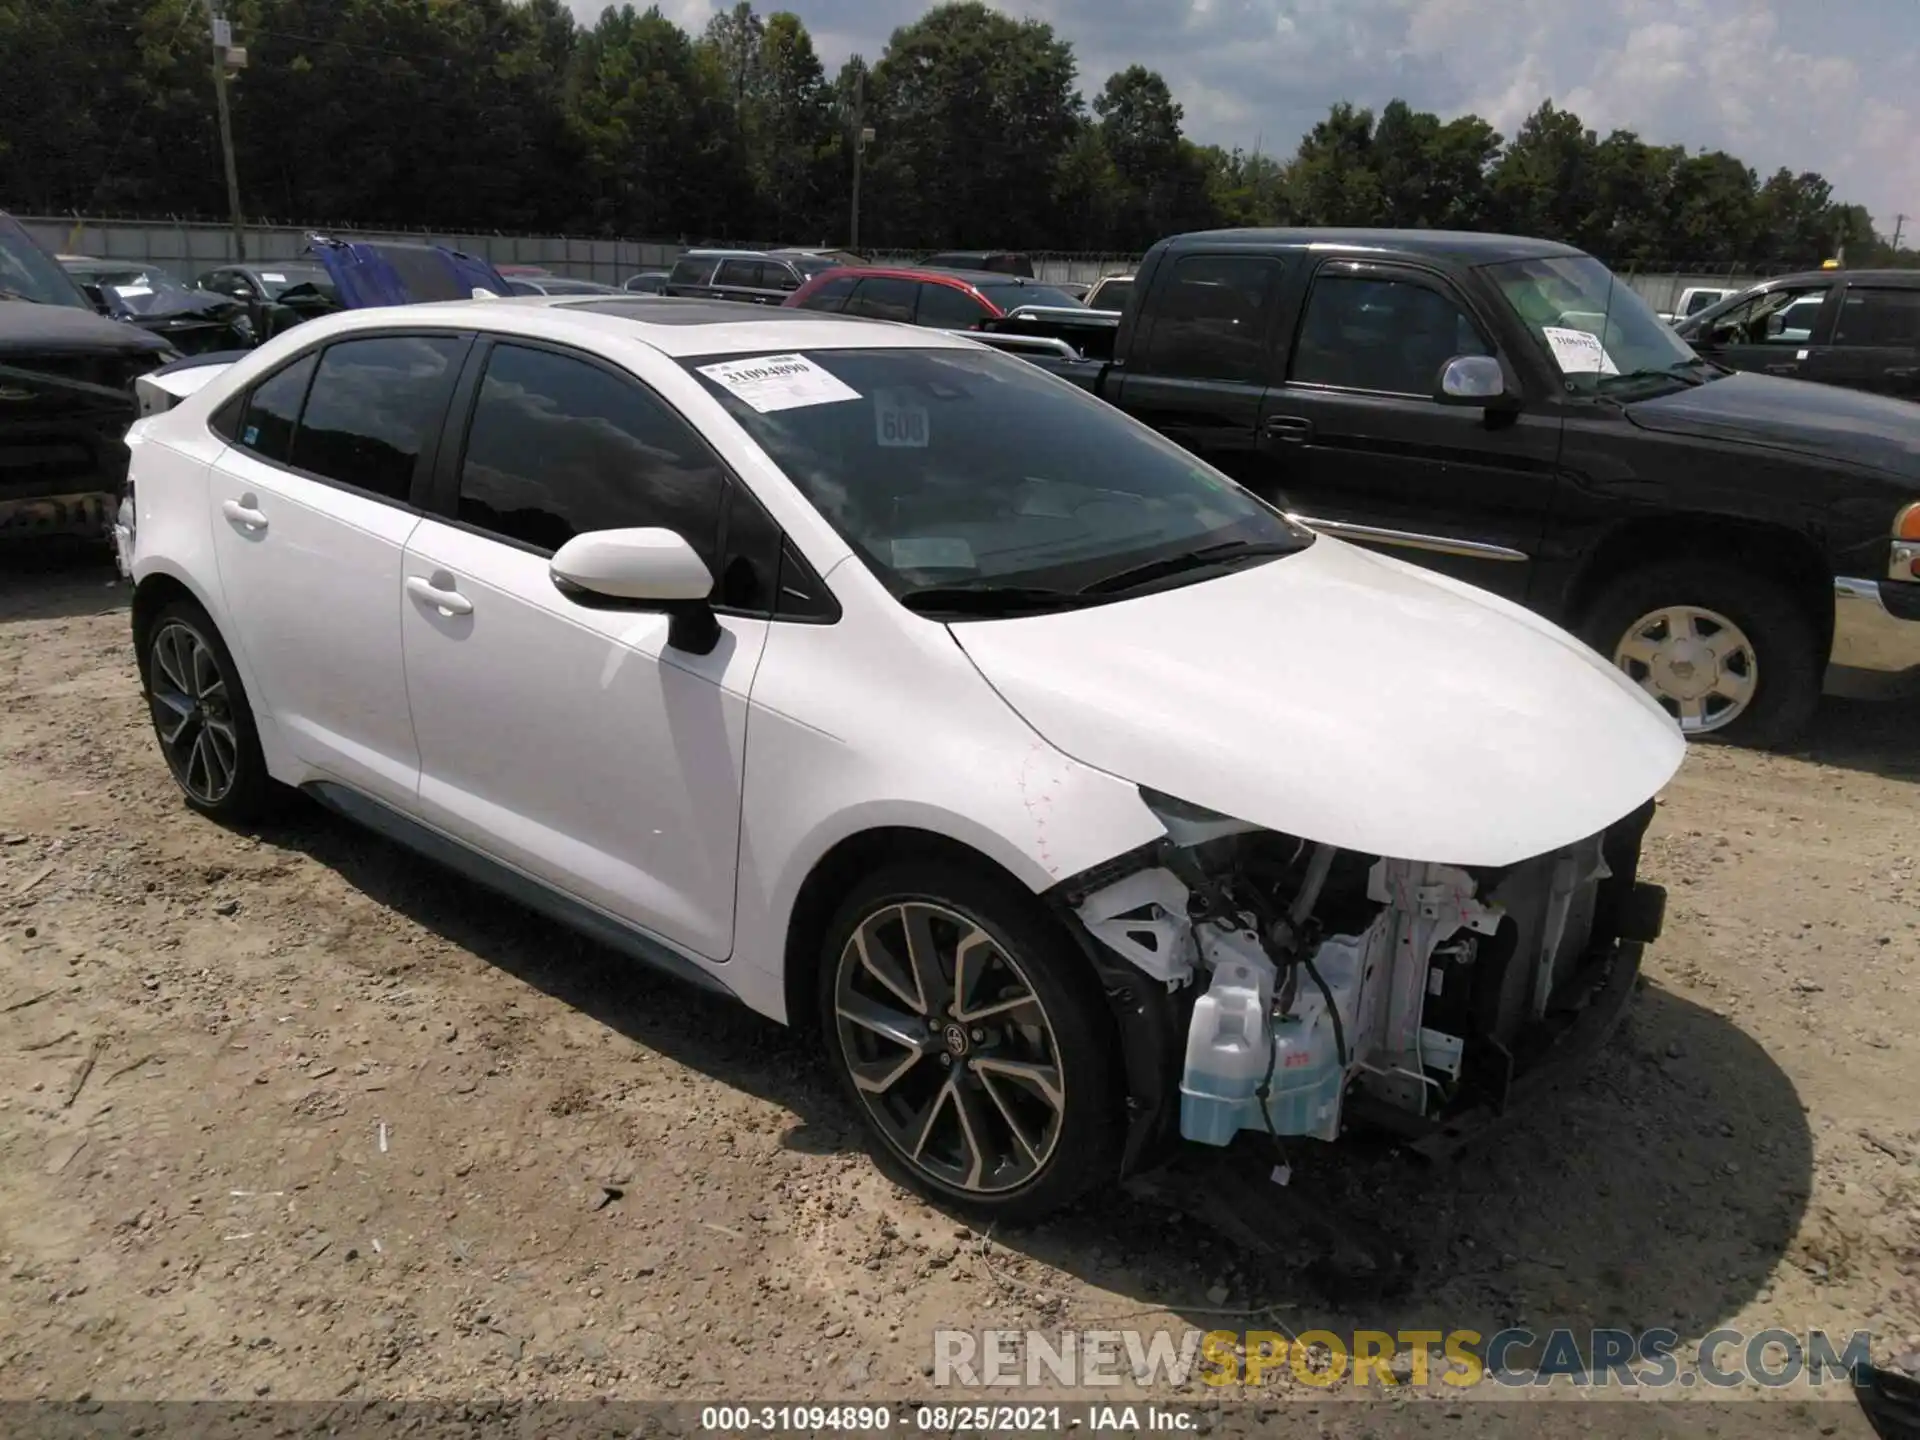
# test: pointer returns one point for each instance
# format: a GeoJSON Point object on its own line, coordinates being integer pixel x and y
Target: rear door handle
{"type": "Point", "coordinates": [1786, 369]}
{"type": "Point", "coordinates": [242, 512]}
{"type": "Point", "coordinates": [1289, 429]}
{"type": "Point", "coordinates": [448, 601]}
{"type": "Point", "coordinates": [1903, 372]}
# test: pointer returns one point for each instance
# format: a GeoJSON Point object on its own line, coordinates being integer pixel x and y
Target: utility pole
{"type": "Point", "coordinates": [223, 52]}
{"type": "Point", "coordinates": [1899, 223]}
{"type": "Point", "coordinates": [862, 134]}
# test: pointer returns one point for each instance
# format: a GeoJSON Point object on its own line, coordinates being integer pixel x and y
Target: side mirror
{"type": "Point", "coordinates": [97, 298]}
{"type": "Point", "coordinates": [650, 569]}
{"type": "Point", "coordinates": [1471, 380]}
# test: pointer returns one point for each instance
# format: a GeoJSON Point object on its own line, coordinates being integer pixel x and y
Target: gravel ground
{"type": "Point", "coordinates": [296, 1116]}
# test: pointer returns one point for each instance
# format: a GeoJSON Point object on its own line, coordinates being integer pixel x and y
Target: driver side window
{"type": "Point", "coordinates": [1779, 317]}
{"type": "Point", "coordinates": [1388, 336]}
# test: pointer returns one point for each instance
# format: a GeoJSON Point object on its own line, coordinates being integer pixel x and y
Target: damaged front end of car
{"type": "Point", "coordinates": [1263, 982]}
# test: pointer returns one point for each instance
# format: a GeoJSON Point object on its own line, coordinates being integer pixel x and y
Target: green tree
{"type": "Point", "coordinates": [973, 111]}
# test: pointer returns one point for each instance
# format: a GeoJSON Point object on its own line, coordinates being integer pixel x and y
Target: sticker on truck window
{"type": "Point", "coordinates": [900, 422]}
{"type": "Point", "coordinates": [132, 292]}
{"type": "Point", "coordinates": [272, 278]}
{"type": "Point", "coordinates": [932, 552]}
{"type": "Point", "coordinates": [779, 382]}
{"type": "Point", "coordinates": [1578, 352]}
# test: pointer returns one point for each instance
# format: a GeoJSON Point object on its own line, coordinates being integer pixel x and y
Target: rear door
{"type": "Point", "coordinates": [1203, 355]}
{"type": "Point", "coordinates": [884, 297]}
{"type": "Point", "coordinates": [1360, 445]}
{"type": "Point", "coordinates": [691, 278]}
{"type": "Point", "coordinates": [947, 307]}
{"type": "Point", "coordinates": [1876, 342]}
{"type": "Point", "coordinates": [312, 507]}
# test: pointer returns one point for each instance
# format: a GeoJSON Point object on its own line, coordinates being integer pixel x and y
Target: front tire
{"type": "Point", "coordinates": [201, 716]}
{"type": "Point", "coordinates": [971, 1039]}
{"type": "Point", "coordinates": [1730, 655]}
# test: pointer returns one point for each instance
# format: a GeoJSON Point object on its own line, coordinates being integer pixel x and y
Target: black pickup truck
{"type": "Point", "coordinates": [1508, 412]}
{"type": "Point", "coordinates": [1858, 328]}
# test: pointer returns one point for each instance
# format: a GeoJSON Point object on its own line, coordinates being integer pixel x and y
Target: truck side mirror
{"type": "Point", "coordinates": [1472, 380]}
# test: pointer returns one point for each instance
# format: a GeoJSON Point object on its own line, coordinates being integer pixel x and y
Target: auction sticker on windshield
{"type": "Point", "coordinates": [1578, 352]}
{"type": "Point", "coordinates": [779, 382]}
{"type": "Point", "coordinates": [899, 421]}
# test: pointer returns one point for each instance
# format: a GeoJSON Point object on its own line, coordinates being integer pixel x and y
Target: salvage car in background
{"type": "Point", "coordinates": [193, 321]}
{"type": "Point", "coordinates": [1079, 798]}
{"type": "Point", "coordinates": [556, 285]}
{"type": "Point", "coordinates": [278, 294]}
{"type": "Point", "coordinates": [66, 395]}
{"type": "Point", "coordinates": [1508, 412]}
{"type": "Point", "coordinates": [945, 299]}
{"type": "Point", "coordinates": [1857, 328]}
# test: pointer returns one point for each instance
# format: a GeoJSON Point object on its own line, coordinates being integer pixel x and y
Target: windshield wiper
{"type": "Point", "coordinates": [1681, 370]}
{"type": "Point", "coordinates": [6, 294]}
{"type": "Point", "coordinates": [1225, 552]}
{"type": "Point", "coordinates": [987, 599]}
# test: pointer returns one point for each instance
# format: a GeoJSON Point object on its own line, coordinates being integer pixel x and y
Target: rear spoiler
{"type": "Point", "coordinates": [160, 390]}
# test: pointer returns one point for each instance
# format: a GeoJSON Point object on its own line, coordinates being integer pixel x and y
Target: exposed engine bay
{"type": "Point", "coordinates": [1317, 985]}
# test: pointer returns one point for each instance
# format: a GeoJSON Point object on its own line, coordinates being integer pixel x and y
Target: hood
{"type": "Point", "coordinates": [1345, 698]}
{"type": "Point", "coordinates": [27, 329]}
{"type": "Point", "coordinates": [1826, 422]}
{"type": "Point", "coordinates": [369, 274]}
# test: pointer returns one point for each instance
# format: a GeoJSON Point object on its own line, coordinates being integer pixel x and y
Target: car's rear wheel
{"type": "Point", "coordinates": [1728, 654]}
{"type": "Point", "coordinates": [201, 716]}
{"type": "Point", "coordinates": [971, 1038]}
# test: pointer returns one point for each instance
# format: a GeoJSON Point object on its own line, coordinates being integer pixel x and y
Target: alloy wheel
{"type": "Point", "coordinates": [1696, 662]}
{"type": "Point", "coordinates": [949, 1047]}
{"type": "Point", "coordinates": [192, 714]}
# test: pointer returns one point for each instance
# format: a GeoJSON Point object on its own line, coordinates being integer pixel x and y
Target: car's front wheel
{"type": "Point", "coordinates": [972, 1039]}
{"type": "Point", "coordinates": [1727, 653]}
{"type": "Point", "coordinates": [201, 716]}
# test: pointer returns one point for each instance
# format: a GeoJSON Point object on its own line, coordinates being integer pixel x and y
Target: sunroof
{"type": "Point", "coordinates": [663, 310]}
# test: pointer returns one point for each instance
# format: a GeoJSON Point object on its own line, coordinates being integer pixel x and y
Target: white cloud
{"type": "Point", "coordinates": [1832, 87]}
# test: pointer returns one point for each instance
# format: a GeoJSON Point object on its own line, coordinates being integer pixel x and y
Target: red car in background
{"type": "Point", "coordinates": [944, 299]}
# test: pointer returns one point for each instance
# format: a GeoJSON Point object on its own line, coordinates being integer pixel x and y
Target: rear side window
{"type": "Point", "coordinates": [372, 406]}
{"type": "Point", "coordinates": [744, 273]}
{"type": "Point", "coordinates": [776, 275]}
{"type": "Point", "coordinates": [559, 446]}
{"type": "Point", "coordinates": [832, 294]}
{"type": "Point", "coordinates": [1212, 317]}
{"type": "Point", "coordinates": [690, 272]}
{"type": "Point", "coordinates": [1879, 318]}
{"type": "Point", "coordinates": [881, 298]}
{"type": "Point", "coordinates": [273, 411]}
{"type": "Point", "coordinates": [948, 308]}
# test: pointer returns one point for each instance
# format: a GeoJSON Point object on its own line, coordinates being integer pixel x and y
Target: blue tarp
{"type": "Point", "coordinates": [375, 273]}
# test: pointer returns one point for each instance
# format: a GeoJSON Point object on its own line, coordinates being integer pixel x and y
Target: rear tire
{"type": "Point", "coordinates": [1732, 656]}
{"type": "Point", "coordinates": [981, 1060]}
{"type": "Point", "coordinates": [201, 716]}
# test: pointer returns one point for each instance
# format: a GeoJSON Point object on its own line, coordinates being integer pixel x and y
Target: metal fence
{"type": "Point", "coordinates": [191, 247]}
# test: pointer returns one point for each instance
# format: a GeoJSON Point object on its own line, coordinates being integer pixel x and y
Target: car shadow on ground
{"type": "Point", "coordinates": [1659, 1189]}
{"type": "Point", "coordinates": [57, 578]}
{"type": "Point", "coordinates": [1880, 737]}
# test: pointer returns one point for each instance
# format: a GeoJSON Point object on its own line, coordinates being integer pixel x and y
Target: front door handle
{"type": "Point", "coordinates": [243, 512]}
{"type": "Point", "coordinates": [1788, 368]}
{"type": "Point", "coordinates": [447, 601]}
{"type": "Point", "coordinates": [1903, 372]}
{"type": "Point", "coordinates": [1289, 429]}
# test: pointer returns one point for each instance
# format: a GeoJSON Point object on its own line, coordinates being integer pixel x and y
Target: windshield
{"type": "Point", "coordinates": [129, 281]}
{"type": "Point", "coordinates": [1008, 296]}
{"type": "Point", "coordinates": [283, 278]}
{"type": "Point", "coordinates": [1599, 332]}
{"type": "Point", "coordinates": [965, 468]}
{"type": "Point", "coordinates": [28, 273]}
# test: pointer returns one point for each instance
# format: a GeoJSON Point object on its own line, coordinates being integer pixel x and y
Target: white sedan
{"type": "Point", "coordinates": [1079, 798]}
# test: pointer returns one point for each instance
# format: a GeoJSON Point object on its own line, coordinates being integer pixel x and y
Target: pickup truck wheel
{"type": "Point", "coordinates": [201, 716]}
{"type": "Point", "coordinates": [1727, 654]}
{"type": "Point", "coordinates": [973, 1041]}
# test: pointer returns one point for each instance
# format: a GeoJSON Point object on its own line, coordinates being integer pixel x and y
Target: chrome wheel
{"type": "Point", "coordinates": [949, 1047]}
{"type": "Point", "coordinates": [1697, 663]}
{"type": "Point", "coordinates": [192, 715]}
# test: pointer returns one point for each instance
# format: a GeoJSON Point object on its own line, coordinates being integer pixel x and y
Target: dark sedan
{"type": "Point", "coordinates": [193, 321]}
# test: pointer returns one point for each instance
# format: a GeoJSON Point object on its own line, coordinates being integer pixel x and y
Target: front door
{"type": "Point", "coordinates": [569, 741]}
{"type": "Point", "coordinates": [311, 512]}
{"type": "Point", "coordinates": [1361, 446]}
{"type": "Point", "coordinates": [1777, 332]}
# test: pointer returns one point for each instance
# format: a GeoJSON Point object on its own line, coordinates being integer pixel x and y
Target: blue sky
{"type": "Point", "coordinates": [1825, 85]}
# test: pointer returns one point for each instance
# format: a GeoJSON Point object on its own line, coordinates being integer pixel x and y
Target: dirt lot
{"type": "Point", "coordinates": [298, 1116]}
